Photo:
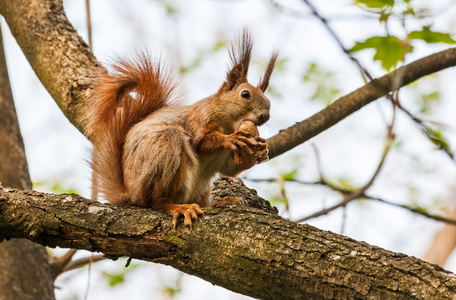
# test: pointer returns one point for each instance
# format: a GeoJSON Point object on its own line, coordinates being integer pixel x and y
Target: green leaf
{"type": "Point", "coordinates": [171, 9]}
{"type": "Point", "coordinates": [322, 82]}
{"type": "Point", "coordinates": [345, 183]}
{"type": "Point", "coordinates": [114, 279]}
{"type": "Point", "coordinates": [277, 200]}
{"type": "Point", "coordinates": [202, 55]}
{"type": "Point", "coordinates": [429, 36]}
{"type": "Point", "coordinates": [55, 186]}
{"type": "Point", "coordinates": [375, 3]}
{"type": "Point", "coordinates": [420, 208]}
{"type": "Point", "coordinates": [428, 100]}
{"type": "Point", "coordinates": [384, 17]}
{"type": "Point", "coordinates": [290, 176]}
{"type": "Point", "coordinates": [438, 139]}
{"type": "Point", "coordinates": [171, 292]}
{"type": "Point", "coordinates": [389, 50]}
{"type": "Point", "coordinates": [280, 65]}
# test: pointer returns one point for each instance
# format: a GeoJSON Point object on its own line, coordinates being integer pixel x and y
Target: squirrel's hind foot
{"type": "Point", "coordinates": [191, 212]}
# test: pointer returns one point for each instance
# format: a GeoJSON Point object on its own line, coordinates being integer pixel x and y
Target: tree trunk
{"type": "Point", "coordinates": [249, 250]}
{"type": "Point", "coordinates": [25, 272]}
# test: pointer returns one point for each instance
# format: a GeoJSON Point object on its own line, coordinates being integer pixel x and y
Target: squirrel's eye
{"type": "Point", "coordinates": [245, 94]}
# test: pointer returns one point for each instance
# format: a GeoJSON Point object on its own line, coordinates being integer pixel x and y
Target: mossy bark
{"type": "Point", "coordinates": [248, 249]}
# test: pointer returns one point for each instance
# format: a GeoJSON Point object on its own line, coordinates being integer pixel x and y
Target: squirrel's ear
{"type": "Point", "coordinates": [264, 83]}
{"type": "Point", "coordinates": [240, 54]}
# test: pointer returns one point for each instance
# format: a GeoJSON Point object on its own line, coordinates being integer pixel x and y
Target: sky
{"type": "Point", "coordinates": [183, 32]}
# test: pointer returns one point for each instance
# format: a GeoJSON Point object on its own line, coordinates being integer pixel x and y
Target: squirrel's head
{"type": "Point", "coordinates": [246, 101]}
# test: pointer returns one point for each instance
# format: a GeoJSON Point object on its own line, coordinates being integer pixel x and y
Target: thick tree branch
{"type": "Point", "coordinates": [245, 249]}
{"type": "Point", "coordinates": [58, 55]}
{"type": "Point", "coordinates": [297, 134]}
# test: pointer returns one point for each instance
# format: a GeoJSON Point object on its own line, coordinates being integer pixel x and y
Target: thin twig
{"type": "Point", "coordinates": [325, 23]}
{"type": "Point", "coordinates": [345, 191]}
{"type": "Point", "coordinates": [334, 17]}
{"type": "Point", "coordinates": [318, 160]}
{"type": "Point", "coordinates": [283, 193]}
{"type": "Point", "coordinates": [349, 198]}
{"type": "Point", "coordinates": [75, 264]}
{"type": "Point", "coordinates": [423, 126]}
{"type": "Point", "coordinates": [344, 220]}
{"type": "Point", "coordinates": [396, 78]}
{"type": "Point", "coordinates": [89, 270]}
{"type": "Point", "coordinates": [59, 263]}
{"type": "Point", "coordinates": [319, 182]}
{"type": "Point", "coordinates": [360, 192]}
{"type": "Point", "coordinates": [89, 24]}
{"type": "Point", "coordinates": [412, 209]}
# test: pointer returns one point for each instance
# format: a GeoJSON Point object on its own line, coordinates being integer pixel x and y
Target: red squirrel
{"type": "Point", "coordinates": [151, 152]}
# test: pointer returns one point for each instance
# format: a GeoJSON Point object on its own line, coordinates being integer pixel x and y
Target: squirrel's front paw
{"type": "Point", "coordinates": [244, 158]}
{"type": "Point", "coordinates": [262, 154]}
{"type": "Point", "coordinates": [250, 143]}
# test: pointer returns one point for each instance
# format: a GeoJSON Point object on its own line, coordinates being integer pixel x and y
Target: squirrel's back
{"type": "Point", "coordinates": [123, 97]}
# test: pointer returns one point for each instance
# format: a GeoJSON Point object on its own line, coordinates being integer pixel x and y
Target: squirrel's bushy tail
{"type": "Point", "coordinates": [122, 98]}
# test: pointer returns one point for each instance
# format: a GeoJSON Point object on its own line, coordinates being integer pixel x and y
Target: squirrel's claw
{"type": "Point", "coordinates": [262, 155]}
{"type": "Point", "coordinates": [191, 212]}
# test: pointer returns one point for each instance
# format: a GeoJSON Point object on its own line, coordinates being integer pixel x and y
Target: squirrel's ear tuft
{"type": "Point", "coordinates": [264, 83]}
{"type": "Point", "coordinates": [240, 54]}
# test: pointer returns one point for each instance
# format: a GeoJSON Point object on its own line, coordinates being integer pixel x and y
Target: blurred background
{"type": "Point", "coordinates": [193, 36]}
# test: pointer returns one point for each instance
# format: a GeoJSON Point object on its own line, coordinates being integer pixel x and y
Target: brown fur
{"type": "Point", "coordinates": [153, 153]}
{"type": "Point", "coordinates": [113, 112]}
{"type": "Point", "coordinates": [264, 83]}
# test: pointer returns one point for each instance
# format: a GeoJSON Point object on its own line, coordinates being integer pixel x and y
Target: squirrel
{"type": "Point", "coordinates": [152, 152]}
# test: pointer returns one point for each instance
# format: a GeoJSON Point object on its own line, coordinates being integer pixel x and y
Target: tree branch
{"type": "Point", "coordinates": [297, 134]}
{"type": "Point", "coordinates": [245, 249]}
{"type": "Point", "coordinates": [60, 58]}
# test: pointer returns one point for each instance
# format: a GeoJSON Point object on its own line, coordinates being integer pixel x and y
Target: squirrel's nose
{"type": "Point", "coordinates": [264, 117]}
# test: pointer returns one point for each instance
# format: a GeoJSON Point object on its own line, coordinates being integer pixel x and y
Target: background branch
{"type": "Point", "coordinates": [349, 197]}
{"type": "Point", "coordinates": [299, 133]}
{"type": "Point", "coordinates": [365, 196]}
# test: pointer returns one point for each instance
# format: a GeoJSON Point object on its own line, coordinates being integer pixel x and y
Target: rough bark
{"type": "Point", "coordinates": [18, 255]}
{"type": "Point", "coordinates": [249, 250]}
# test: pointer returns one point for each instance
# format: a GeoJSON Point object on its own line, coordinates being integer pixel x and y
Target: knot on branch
{"type": "Point", "coordinates": [234, 187]}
